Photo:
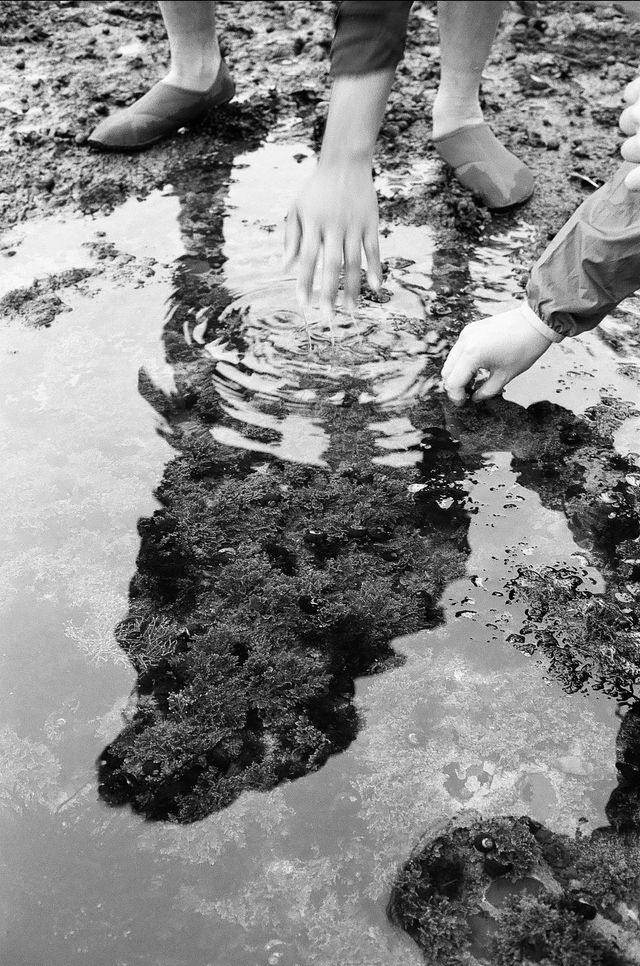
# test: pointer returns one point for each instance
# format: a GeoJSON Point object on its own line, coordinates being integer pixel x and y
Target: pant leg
{"type": "Point", "coordinates": [370, 35]}
{"type": "Point", "coordinates": [592, 263]}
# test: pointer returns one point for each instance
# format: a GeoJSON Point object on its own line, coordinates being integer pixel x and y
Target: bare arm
{"type": "Point", "coordinates": [336, 211]}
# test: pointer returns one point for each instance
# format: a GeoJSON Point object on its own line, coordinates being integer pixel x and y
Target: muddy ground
{"type": "Point", "coordinates": [262, 591]}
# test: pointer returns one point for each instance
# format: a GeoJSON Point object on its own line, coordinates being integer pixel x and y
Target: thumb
{"type": "Point", "coordinates": [492, 386]}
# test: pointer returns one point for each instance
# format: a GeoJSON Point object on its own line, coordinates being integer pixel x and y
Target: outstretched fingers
{"type": "Point", "coordinates": [372, 252]}
{"type": "Point", "coordinates": [352, 263]}
{"type": "Point", "coordinates": [292, 238]}
{"type": "Point", "coordinates": [307, 259]}
{"type": "Point", "coordinates": [331, 266]}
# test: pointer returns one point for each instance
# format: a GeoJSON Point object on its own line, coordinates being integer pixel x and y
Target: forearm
{"type": "Point", "coordinates": [592, 264]}
{"type": "Point", "coordinates": [369, 37]}
{"type": "Point", "coordinates": [355, 115]}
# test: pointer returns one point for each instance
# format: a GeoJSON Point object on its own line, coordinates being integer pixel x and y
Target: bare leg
{"type": "Point", "coordinates": [467, 30]}
{"type": "Point", "coordinates": [195, 55]}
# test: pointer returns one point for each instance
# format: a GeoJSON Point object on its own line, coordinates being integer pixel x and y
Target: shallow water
{"type": "Point", "coordinates": [300, 874]}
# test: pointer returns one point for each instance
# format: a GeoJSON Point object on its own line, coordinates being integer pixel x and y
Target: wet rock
{"type": "Point", "coordinates": [535, 909]}
{"type": "Point", "coordinates": [582, 907]}
{"type": "Point", "coordinates": [316, 537]}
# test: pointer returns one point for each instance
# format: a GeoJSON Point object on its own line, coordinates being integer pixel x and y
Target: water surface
{"type": "Point", "coordinates": [300, 874]}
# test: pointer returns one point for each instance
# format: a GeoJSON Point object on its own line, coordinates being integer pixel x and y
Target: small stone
{"type": "Point", "coordinates": [573, 765]}
{"type": "Point", "coordinates": [225, 554]}
{"type": "Point", "coordinates": [378, 533]}
{"type": "Point", "coordinates": [19, 65]}
{"type": "Point", "coordinates": [389, 554]}
{"type": "Point", "coordinates": [357, 533]}
{"type": "Point", "coordinates": [315, 536]}
{"type": "Point", "coordinates": [583, 907]}
{"type": "Point", "coordinates": [308, 604]}
{"type": "Point", "coordinates": [11, 107]}
{"type": "Point", "coordinates": [484, 843]}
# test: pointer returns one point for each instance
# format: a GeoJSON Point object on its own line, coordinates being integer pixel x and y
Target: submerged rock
{"type": "Point", "coordinates": [459, 912]}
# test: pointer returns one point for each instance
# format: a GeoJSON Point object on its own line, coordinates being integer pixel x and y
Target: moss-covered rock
{"type": "Point", "coordinates": [508, 890]}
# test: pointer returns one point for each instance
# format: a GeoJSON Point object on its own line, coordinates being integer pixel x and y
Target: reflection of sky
{"type": "Point", "coordinates": [80, 458]}
{"type": "Point", "coordinates": [144, 229]}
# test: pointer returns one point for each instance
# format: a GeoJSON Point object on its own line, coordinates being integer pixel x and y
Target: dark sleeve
{"type": "Point", "coordinates": [369, 36]}
{"type": "Point", "coordinates": [592, 263]}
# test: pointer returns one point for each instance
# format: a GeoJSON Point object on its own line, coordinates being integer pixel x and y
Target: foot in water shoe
{"type": "Point", "coordinates": [482, 164]}
{"type": "Point", "coordinates": [160, 112]}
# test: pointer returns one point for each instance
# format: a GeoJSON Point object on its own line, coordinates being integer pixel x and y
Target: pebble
{"type": "Point", "coordinates": [484, 843]}
{"type": "Point", "coordinates": [583, 908]}
{"type": "Point", "coordinates": [573, 765]}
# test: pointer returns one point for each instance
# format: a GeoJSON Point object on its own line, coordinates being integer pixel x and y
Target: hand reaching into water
{"type": "Point", "coordinates": [505, 345]}
{"type": "Point", "coordinates": [336, 213]}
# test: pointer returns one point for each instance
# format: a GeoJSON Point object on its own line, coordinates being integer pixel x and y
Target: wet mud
{"type": "Point", "coordinates": [359, 618]}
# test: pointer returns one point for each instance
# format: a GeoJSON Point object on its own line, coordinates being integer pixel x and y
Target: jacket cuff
{"type": "Point", "coordinates": [536, 322]}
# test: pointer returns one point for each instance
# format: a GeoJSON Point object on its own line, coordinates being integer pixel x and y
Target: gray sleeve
{"type": "Point", "coordinates": [592, 263]}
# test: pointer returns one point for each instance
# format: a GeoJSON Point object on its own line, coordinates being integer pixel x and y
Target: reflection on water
{"type": "Point", "coordinates": [473, 719]}
{"type": "Point", "coordinates": [276, 370]}
{"type": "Point", "coordinates": [277, 360]}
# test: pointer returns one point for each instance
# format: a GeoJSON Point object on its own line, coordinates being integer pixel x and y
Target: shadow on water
{"type": "Point", "coordinates": [329, 516]}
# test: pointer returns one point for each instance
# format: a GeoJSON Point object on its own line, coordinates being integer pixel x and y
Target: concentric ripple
{"type": "Point", "coordinates": [277, 370]}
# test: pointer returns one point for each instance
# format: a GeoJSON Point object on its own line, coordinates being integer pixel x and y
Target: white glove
{"type": "Point", "coordinates": [630, 124]}
{"type": "Point", "coordinates": [505, 345]}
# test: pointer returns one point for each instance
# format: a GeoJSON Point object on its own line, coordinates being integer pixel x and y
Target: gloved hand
{"type": "Point", "coordinates": [505, 345]}
{"type": "Point", "coordinates": [630, 124]}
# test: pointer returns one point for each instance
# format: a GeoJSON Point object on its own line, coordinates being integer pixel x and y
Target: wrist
{"type": "Point", "coordinates": [355, 115]}
{"type": "Point", "coordinates": [346, 161]}
{"type": "Point", "coordinates": [535, 322]}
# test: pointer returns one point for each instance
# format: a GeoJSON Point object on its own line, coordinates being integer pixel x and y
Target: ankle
{"type": "Point", "coordinates": [452, 111]}
{"type": "Point", "coordinates": [197, 72]}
